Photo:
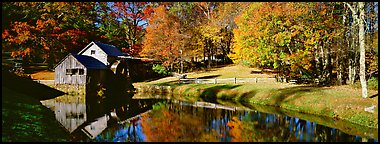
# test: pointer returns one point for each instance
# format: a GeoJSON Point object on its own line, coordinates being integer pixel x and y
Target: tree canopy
{"type": "Point", "coordinates": [300, 40]}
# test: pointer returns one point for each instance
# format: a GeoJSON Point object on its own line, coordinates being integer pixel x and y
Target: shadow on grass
{"type": "Point", "coordinates": [34, 69]}
{"type": "Point", "coordinates": [298, 91]}
{"type": "Point", "coordinates": [280, 96]}
{"type": "Point", "coordinates": [150, 79]}
{"type": "Point", "coordinates": [245, 97]}
{"type": "Point", "coordinates": [374, 95]}
{"type": "Point", "coordinates": [171, 83]}
{"type": "Point", "coordinates": [29, 87]}
{"type": "Point", "coordinates": [209, 94]}
{"type": "Point", "coordinates": [208, 77]}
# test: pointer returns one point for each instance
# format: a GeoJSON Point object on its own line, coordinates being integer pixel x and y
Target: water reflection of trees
{"type": "Point", "coordinates": [263, 127]}
{"type": "Point", "coordinates": [176, 122]}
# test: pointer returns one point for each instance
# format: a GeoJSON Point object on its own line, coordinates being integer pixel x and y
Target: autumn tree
{"type": "Point", "coordinates": [188, 19]}
{"type": "Point", "coordinates": [208, 30]}
{"type": "Point", "coordinates": [294, 38]}
{"type": "Point", "coordinates": [163, 39]}
{"type": "Point", "coordinates": [46, 31]}
{"type": "Point", "coordinates": [226, 12]}
{"type": "Point", "coordinates": [371, 38]}
{"type": "Point", "coordinates": [122, 24]}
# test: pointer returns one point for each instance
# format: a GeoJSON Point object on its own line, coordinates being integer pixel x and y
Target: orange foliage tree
{"type": "Point", "coordinates": [163, 40]}
{"type": "Point", "coordinates": [46, 31]}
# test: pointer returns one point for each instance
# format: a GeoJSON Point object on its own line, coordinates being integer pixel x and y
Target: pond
{"type": "Point", "coordinates": [161, 120]}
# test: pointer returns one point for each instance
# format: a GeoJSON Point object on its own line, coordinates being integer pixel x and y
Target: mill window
{"type": "Point", "coordinates": [69, 72]}
{"type": "Point", "coordinates": [92, 52]}
{"type": "Point", "coordinates": [81, 71]}
{"type": "Point", "coordinates": [74, 71]}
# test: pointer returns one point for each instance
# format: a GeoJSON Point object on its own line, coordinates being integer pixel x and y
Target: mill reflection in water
{"type": "Point", "coordinates": [126, 119]}
{"type": "Point", "coordinates": [70, 114]}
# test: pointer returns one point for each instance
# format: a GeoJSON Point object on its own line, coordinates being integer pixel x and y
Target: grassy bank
{"type": "Point", "coordinates": [25, 119]}
{"type": "Point", "coordinates": [340, 102]}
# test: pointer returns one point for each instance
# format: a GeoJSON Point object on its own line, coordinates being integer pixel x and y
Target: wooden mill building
{"type": "Point", "coordinates": [74, 69]}
{"type": "Point", "coordinates": [95, 62]}
{"type": "Point", "coordinates": [92, 62]}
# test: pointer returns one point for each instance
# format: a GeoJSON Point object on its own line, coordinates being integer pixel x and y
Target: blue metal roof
{"type": "Point", "coordinates": [90, 62]}
{"type": "Point", "coordinates": [109, 49]}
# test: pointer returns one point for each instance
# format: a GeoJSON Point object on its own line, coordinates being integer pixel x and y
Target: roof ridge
{"type": "Point", "coordinates": [89, 61]}
{"type": "Point", "coordinates": [109, 49]}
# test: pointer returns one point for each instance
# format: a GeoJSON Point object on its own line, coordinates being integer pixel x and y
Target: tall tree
{"type": "Point", "coordinates": [123, 24]}
{"type": "Point", "coordinates": [226, 12]}
{"type": "Point", "coordinates": [359, 17]}
{"type": "Point", "coordinates": [188, 20]}
{"type": "Point", "coordinates": [163, 39]}
{"type": "Point", "coordinates": [362, 74]}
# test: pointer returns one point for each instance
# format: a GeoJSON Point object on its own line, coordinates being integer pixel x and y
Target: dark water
{"type": "Point", "coordinates": [137, 120]}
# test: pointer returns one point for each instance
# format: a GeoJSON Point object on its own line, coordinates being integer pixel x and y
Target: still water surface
{"type": "Point", "coordinates": [139, 120]}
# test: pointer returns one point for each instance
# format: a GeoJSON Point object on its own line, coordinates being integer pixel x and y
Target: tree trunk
{"type": "Point", "coordinates": [204, 51]}
{"type": "Point", "coordinates": [340, 74]}
{"type": "Point", "coordinates": [362, 50]}
{"type": "Point", "coordinates": [171, 67]}
{"type": "Point", "coordinates": [181, 61]}
{"type": "Point", "coordinates": [342, 53]}
{"type": "Point", "coordinates": [328, 64]}
{"type": "Point", "coordinates": [352, 50]}
{"type": "Point", "coordinates": [321, 64]}
{"type": "Point", "coordinates": [209, 53]}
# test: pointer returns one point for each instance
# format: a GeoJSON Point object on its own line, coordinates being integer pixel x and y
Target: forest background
{"type": "Point", "coordinates": [335, 42]}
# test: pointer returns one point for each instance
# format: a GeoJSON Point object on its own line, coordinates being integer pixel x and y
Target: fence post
{"type": "Point", "coordinates": [256, 79]}
{"type": "Point", "coordinates": [215, 81]}
{"type": "Point", "coordinates": [235, 80]}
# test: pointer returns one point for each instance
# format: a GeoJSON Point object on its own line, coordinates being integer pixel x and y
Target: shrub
{"type": "Point", "coordinates": [246, 63]}
{"type": "Point", "coordinates": [160, 69]}
{"type": "Point", "coordinates": [372, 83]}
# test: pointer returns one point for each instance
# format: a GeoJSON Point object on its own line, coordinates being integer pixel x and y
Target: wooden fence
{"type": "Point", "coordinates": [210, 105]}
{"type": "Point", "coordinates": [227, 80]}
